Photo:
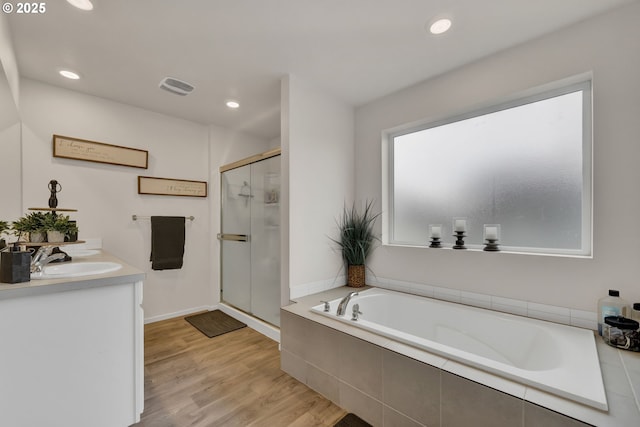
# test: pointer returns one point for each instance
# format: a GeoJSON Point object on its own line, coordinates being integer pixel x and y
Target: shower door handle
{"type": "Point", "coordinates": [233, 237]}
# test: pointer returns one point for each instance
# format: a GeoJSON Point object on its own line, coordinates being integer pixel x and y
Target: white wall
{"type": "Point", "coordinates": [10, 176]}
{"type": "Point", "coordinates": [608, 47]}
{"type": "Point", "coordinates": [318, 148]}
{"type": "Point", "coordinates": [8, 59]}
{"type": "Point", "coordinates": [10, 195]}
{"type": "Point", "coordinates": [106, 195]}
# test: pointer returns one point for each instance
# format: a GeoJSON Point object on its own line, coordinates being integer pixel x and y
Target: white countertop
{"type": "Point", "coordinates": [126, 274]}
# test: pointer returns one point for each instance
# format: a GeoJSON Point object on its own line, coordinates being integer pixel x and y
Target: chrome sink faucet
{"type": "Point", "coordinates": [44, 257]}
{"type": "Point", "coordinates": [342, 307]}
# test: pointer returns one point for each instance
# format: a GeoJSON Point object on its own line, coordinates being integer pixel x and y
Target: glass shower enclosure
{"type": "Point", "coordinates": [250, 237]}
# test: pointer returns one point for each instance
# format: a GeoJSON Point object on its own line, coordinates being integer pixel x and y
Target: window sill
{"type": "Point", "coordinates": [506, 250]}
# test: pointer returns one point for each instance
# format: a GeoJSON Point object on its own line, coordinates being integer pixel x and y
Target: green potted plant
{"type": "Point", "coordinates": [31, 225]}
{"type": "Point", "coordinates": [20, 227]}
{"type": "Point", "coordinates": [356, 241]}
{"type": "Point", "coordinates": [4, 226]}
{"type": "Point", "coordinates": [58, 227]}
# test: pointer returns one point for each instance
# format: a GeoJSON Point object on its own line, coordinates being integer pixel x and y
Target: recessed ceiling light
{"type": "Point", "coordinates": [81, 4]}
{"type": "Point", "coordinates": [69, 74]}
{"type": "Point", "coordinates": [232, 104]}
{"type": "Point", "coordinates": [440, 26]}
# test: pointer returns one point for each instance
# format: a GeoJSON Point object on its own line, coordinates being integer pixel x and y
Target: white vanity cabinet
{"type": "Point", "coordinates": [71, 352]}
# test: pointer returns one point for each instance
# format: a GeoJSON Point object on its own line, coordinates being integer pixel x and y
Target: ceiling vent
{"type": "Point", "coordinates": [176, 86]}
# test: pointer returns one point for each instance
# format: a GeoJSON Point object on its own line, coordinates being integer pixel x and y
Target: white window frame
{"type": "Point", "coordinates": [582, 82]}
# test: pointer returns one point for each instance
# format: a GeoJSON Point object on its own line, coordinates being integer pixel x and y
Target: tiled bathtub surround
{"type": "Point", "coordinates": [552, 313]}
{"type": "Point", "coordinates": [392, 384]}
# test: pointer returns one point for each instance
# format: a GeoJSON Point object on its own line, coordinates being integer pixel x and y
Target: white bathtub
{"type": "Point", "coordinates": [559, 359]}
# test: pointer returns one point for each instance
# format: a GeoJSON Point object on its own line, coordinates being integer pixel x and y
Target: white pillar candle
{"type": "Point", "coordinates": [436, 231]}
{"type": "Point", "coordinates": [460, 225]}
{"type": "Point", "coordinates": [491, 232]}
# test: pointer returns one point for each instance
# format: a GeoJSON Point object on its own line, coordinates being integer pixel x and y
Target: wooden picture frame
{"type": "Point", "coordinates": [171, 187]}
{"type": "Point", "coordinates": [91, 151]}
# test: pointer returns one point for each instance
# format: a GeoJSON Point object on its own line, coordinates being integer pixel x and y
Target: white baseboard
{"type": "Point", "coordinates": [264, 328]}
{"type": "Point", "coordinates": [179, 313]}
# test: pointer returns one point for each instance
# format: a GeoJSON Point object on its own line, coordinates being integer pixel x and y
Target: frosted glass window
{"type": "Point", "coordinates": [525, 165]}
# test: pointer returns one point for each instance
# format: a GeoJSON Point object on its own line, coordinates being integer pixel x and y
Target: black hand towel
{"type": "Point", "coordinates": [167, 242]}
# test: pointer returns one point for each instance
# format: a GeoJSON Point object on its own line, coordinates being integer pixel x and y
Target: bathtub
{"type": "Point", "coordinates": [558, 359]}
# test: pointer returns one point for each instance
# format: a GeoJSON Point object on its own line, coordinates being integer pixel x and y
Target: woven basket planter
{"type": "Point", "coordinates": [355, 276]}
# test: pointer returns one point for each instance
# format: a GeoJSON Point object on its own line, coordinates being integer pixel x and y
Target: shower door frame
{"type": "Point", "coordinates": [225, 168]}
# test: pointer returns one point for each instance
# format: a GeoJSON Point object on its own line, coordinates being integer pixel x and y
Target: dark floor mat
{"type": "Point", "coordinates": [352, 420]}
{"type": "Point", "coordinates": [214, 323]}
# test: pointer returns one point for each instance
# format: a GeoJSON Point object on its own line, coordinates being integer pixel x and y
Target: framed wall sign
{"type": "Point", "coordinates": [91, 151]}
{"type": "Point", "coordinates": [171, 187]}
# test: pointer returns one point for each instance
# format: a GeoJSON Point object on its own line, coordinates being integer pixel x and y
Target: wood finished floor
{"type": "Point", "coordinates": [230, 380]}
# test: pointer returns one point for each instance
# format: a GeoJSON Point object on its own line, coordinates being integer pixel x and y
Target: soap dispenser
{"type": "Point", "coordinates": [611, 305]}
{"type": "Point", "coordinates": [15, 265]}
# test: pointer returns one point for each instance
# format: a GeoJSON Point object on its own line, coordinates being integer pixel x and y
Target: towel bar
{"type": "Point", "coordinates": [137, 217]}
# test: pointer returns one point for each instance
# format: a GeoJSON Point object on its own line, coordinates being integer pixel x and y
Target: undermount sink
{"type": "Point", "coordinates": [59, 271]}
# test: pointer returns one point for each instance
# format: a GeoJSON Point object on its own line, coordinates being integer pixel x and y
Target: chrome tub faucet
{"type": "Point", "coordinates": [342, 307]}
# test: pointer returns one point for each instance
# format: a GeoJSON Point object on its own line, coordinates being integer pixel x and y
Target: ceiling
{"type": "Point", "coordinates": [356, 50]}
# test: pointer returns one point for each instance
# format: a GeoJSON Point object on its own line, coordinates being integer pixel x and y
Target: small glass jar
{"type": "Point", "coordinates": [621, 332]}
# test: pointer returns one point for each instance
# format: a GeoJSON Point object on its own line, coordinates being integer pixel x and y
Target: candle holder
{"type": "Point", "coordinates": [491, 245]}
{"type": "Point", "coordinates": [459, 240]}
{"type": "Point", "coordinates": [491, 236]}
{"type": "Point", "coordinates": [435, 231]}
